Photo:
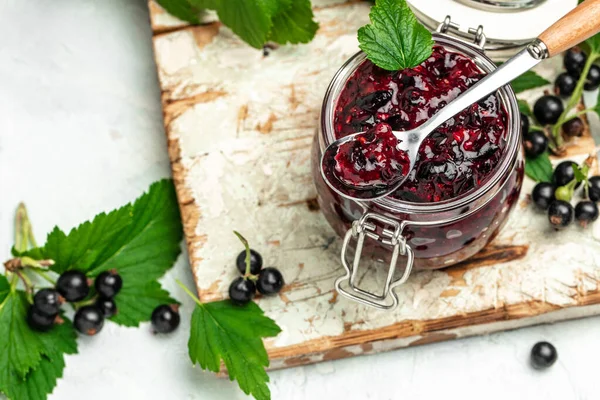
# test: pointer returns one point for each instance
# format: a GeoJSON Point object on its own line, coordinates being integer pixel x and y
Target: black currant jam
{"type": "Point", "coordinates": [468, 173]}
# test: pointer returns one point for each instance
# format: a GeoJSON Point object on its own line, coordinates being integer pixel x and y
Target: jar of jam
{"type": "Point", "coordinates": [466, 180]}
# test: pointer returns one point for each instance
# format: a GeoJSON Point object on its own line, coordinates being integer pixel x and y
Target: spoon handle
{"type": "Point", "coordinates": [572, 29]}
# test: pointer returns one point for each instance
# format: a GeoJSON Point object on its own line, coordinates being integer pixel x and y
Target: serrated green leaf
{"type": "Point", "coordinates": [42, 380]}
{"type": "Point", "coordinates": [524, 108]}
{"type": "Point", "coordinates": [181, 9]}
{"type": "Point", "coordinates": [539, 169]}
{"type": "Point", "coordinates": [223, 331]}
{"type": "Point", "coordinates": [250, 20]}
{"type": "Point", "coordinates": [149, 246]}
{"type": "Point", "coordinates": [395, 40]}
{"type": "Point", "coordinates": [35, 253]}
{"type": "Point", "coordinates": [83, 245]}
{"type": "Point", "coordinates": [4, 288]}
{"type": "Point", "coordinates": [135, 302]}
{"type": "Point", "coordinates": [293, 23]}
{"type": "Point", "coordinates": [529, 80]}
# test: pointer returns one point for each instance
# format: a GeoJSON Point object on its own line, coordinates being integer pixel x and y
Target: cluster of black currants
{"type": "Point", "coordinates": [555, 197]}
{"type": "Point", "coordinates": [267, 281]}
{"type": "Point", "coordinates": [74, 286]}
{"type": "Point", "coordinates": [548, 108]}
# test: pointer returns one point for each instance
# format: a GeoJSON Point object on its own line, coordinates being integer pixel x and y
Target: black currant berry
{"type": "Point", "coordinates": [574, 61]}
{"type": "Point", "coordinates": [270, 281]}
{"type": "Point", "coordinates": [543, 355]}
{"type": "Point", "coordinates": [592, 81]}
{"type": "Point", "coordinates": [563, 173]}
{"type": "Point", "coordinates": [73, 286]}
{"type": "Point", "coordinates": [547, 109]}
{"type": "Point", "coordinates": [585, 212]}
{"type": "Point", "coordinates": [560, 213]}
{"type": "Point", "coordinates": [535, 143]}
{"type": "Point", "coordinates": [573, 127]}
{"type": "Point", "coordinates": [256, 262]}
{"type": "Point", "coordinates": [524, 124]}
{"type": "Point", "coordinates": [594, 189]}
{"type": "Point", "coordinates": [48, 301]}
{"type": "Point", "coordinates": [543, 195]}
{"type": "Point", "coordinates": [108, 284]}
{"type": "Point", "coordinates": [39, 321]}
{"type": "Point", "coordinates": [564, 85]}
{"type": "Point", "coordinates": [88, 320]}
{"type": "Point", "coordinates": [241, 291]}
{"type": "Point", "coordinates": [165, 318]}
{"type": "Point", "coordinates": [374, 101]}
{"type": "Point", "coordinates": [107, 306]}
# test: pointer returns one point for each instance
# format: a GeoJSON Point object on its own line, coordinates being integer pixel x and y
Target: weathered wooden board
{"type": "Point", "coordinates": [240, 126]}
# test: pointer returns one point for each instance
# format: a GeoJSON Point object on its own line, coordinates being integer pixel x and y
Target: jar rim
{"type": "Point", "coordinates": [507, 97]}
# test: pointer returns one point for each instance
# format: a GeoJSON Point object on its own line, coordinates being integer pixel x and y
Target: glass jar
{"type": "Point", "coordinates": [403, 234]}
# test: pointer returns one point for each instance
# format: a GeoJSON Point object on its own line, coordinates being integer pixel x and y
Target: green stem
{"type": "Point", "coordinates": [84, 303]}
{"type": "Point", "coordinates": [44, 275]}
{"type": "Point", "coordinates": [189, 292]}
{"type": "Point", "coordinates": [536, 128]}
{"type": "Point", "coordinates": [247, 246]}
{"type": "Point", "coordinates": [20, 230]}
{"type": "Point", "coordinates": [577, 114]}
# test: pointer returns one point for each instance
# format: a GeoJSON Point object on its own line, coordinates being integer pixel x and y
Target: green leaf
{"type": "Point", "coordinates": [136, 302]}
{"type": "Point", "coordinates": [539, 169]}
{"type": "Point", "coordinates": [181, 9]}
{"type": "Point", "coordinates": [293, 23]}
{"type": "Point", "coordinates": [81, 248]}
{"type": "Point", "coordinates": [41, 381]}
{"type": "Point", "coordinates": [524, 108]}
{"type": "Point", "coordinates": [223, 331]}
{"type": "Point", "coordinates": [529, 80]}
{"type": "Point", "coordinates": [395, 40]}
{"type": "Point", "coordinates": [4, 289]}
{"type": "Point", "coordinates": [250, 20]}
{"type": "Point", "coordinates": [36, 253]}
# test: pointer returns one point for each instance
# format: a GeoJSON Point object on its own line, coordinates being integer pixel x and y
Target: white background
{"type": "Point", "coordinates": [81, 132]}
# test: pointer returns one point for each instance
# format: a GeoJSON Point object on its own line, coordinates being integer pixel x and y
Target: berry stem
{"type": "Point", "coordinates": [247, 246]}
{"type": "Point", "coordinates": [536, 128]}
{"type": "Point", "coordinates": [44, 275]}
{"type": "Point", "coordinates": [189, 292]}
{"type": "Point", "coordinates": [20, 228]}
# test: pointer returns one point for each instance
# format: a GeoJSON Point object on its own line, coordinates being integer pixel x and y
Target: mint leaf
{"type": "Point", "coordinates": [539, 169]}
{"type": "Point", "coordinates": [524, 108]}
{"type": "Point", "coordinates": [223, 331]}
{"type": "Point", "coordinates": [40, 382]}
{"type": "Point", "coordinates": [529, 80]}
{"type": "Point", "coordinates": [136, 301]}
{"type": "Point", "coordinates": [395, 40]}
{"type": "Point", "coordinates": [181, 9]}
{"type": "Point", "coordinates": [250, 20]}
{"type": "Point", "coordinates": [83, 245]}
{"type": "Point", "coordinates": [293, 23]}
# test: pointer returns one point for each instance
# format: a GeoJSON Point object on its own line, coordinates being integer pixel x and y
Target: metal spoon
{"type": "Point", "coordinates": [572, 29]}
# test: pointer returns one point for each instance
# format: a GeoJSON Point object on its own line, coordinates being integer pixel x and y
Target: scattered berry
{"type": "Point", "coordinates": [560, 213]}
{"type": "Point", "coordinates": [165, 318]}
{"type": "Point", "coordinates": [241, 291]}
{"type": "Point", "coordinates": [89, 320]}
{"type": "Point", "coordinates": [547, 109]}
{"type": "Point", "coordinates": [535, 143]}
{"type": "Point", "coordinates": [594, 188]}
{"type": "Point", "coordinates": [48, 302]}
{"type": "Point", "coordinates": [39, 321]}
{"type": "Point", "coordinates": [524, 124]}
{"type": "Point", "coordinates": [107, 306]}
{"type": "Point", "coordinates": [543, 355]}
{"type": "Point", "coordinates": [573, 127]}
{"type": "Point", "coordinates": [73, 286]}
{"type": "Point", "coordinates": [585, 212]}
{"type": "Point", "coordinates": [108, 284]}
{"type": "Point", "coordinates": [592, 81]}
{"type": "Point", "coordinates": [565, 85]}
{"type": "Point", "coordinates": [256, 262]}
{"type": "Point", "coordinates": [543, 195]}
{"type": "Point", "coordinates": [270, 281]}
{"type": "Point", "coordinates": [563, 173]}
{"type": "Point", "coordinates": [563, 193]}
{"type": "Point", "coordinates": [574, 61]}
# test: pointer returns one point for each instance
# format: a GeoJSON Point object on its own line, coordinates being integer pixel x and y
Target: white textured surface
{"type": "Point", "coordinates": [81, 131]}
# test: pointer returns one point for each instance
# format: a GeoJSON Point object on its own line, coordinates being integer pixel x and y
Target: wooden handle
{"type": "Point", "coordinates": [572, 29]}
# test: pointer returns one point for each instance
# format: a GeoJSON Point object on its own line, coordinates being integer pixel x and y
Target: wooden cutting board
{"type": "Point", "coordinates": [240, 126]}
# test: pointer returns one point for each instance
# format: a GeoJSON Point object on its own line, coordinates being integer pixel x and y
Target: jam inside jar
{"type": "Point", "coordinates": [468, 173]}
